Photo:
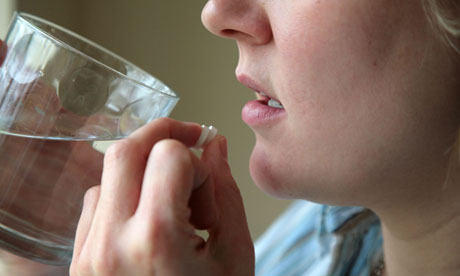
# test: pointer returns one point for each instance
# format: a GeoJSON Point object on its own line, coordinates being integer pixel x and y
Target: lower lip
{"type": "Point", "coordinates": [257, 112]}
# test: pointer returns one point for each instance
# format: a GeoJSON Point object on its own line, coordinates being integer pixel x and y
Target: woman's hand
{"type": "Point", "coordinates": [155, 192]}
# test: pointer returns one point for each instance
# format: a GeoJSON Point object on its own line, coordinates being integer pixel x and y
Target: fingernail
{"type": "Point", "coordinates": [223, 147]}
{"type": "Point", "coordinates": [207, 134]}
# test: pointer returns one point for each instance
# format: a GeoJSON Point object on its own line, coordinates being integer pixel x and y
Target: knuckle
{"type": "Point", "coordinates": [92, 194]}
{"type": "Point", "coordinates": [119, 151]}
{"type": "Point", "coordinates": [139, 248]}
{"type": "Point", "coordinates": [140, 253]}
{"type": "Point", "coordinates": [99, 257]}
{"type": "Point", "coordinates": [103, 263]}
{"type": "Point", "coordinates": [81, 266]}
{"type": "Point", "coordinates": [80, 269]}
{"type": "Point", "coordinates": [169, 148]}
{"type": "Point", "coordinates": [163, 121]}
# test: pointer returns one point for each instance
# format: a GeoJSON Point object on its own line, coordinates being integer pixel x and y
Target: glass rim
{"type": "Point", "coordinates": [26, 18]}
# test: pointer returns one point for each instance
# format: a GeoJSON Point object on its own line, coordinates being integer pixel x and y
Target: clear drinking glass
{"type": "Point", "coordinates": [62, 98]}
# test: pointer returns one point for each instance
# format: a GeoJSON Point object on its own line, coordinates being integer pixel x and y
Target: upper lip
{"type": "Point", "coordinates": [250, 83]}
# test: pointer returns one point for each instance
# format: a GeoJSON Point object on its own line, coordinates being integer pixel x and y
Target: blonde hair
{"type": "Point", "coordinates": [444, 16]}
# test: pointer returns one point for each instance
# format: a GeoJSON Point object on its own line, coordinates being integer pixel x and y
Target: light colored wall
{"type": "Point", "coordinates": [166, 38]}
{"type": "Point", "coordinates": [6, 10]}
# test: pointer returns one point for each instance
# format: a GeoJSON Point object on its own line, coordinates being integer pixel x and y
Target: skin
{"type": "Point", "coordinates": [360, 84]}
{"type": "Point", "coordinates": [154, 193]}
{"type": "Point", "coordinates": [371, 115]}
{"type": "Point", "coordinates": [166, 193]}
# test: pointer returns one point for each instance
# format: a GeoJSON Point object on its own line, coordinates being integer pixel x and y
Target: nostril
{"type": "Point", "coordinates": [235, 34]}
{"type": "Point", "coordinates": [241, 20]}
{"type": "Point", "coordinates": [228, 32]}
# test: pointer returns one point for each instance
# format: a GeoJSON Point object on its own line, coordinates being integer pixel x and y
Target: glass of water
{"type": "Point", "coordinates": [62, 99]}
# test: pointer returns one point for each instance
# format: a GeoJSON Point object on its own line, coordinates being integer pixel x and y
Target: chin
{"type": "Point", "coordinates": [264, 174]}
{"type": "Point", "coordinates": [311, 184]}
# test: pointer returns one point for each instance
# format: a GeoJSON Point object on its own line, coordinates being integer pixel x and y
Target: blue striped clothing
{"type": "Point", "coordinates": [318, 240]}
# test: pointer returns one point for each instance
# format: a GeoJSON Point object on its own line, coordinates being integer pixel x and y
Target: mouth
{"type": "Point", "coordinates": [269, 101]}
{"type": "Point", "coordinates": [265, 110]}
{"type": "Point", "coordinates": [262, 94]}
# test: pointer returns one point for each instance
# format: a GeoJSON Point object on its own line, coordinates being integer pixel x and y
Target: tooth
{"type": "Point", "coordinates": [274, 103]}
{"type": "Point", "coordinates": [263, 94]}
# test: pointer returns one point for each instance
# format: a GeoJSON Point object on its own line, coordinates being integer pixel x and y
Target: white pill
{"type": "Point", "coordinates": [212, 133]}
{"type": "Point", "coordinates": [206, 136]}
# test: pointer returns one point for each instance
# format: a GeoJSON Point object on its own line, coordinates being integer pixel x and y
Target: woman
{"type": "Point", "coordinates": [358, 105]}
{"type": "Point", "coordinates": [371, 115]}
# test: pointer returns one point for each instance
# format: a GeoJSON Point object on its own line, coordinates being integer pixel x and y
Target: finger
{"type": "Point", "coordinates": [166, 128]}
{"type": "Point", "coordinates": [125, 162]}
{"type": "Point", "coordinates": [172, 174]}
{"type": "Point", "coordinates": [120, 184]}
{"type": "Point", "coordinates": [86, 219]}
{"type": "Point", "coordinates": [177, 180]}
{"type": "Point", "coordinates": [231, 227]}
{"type": "Point", "coordinates": [203, 206]}
{"type": "Point", "coordinates": [230, 235]}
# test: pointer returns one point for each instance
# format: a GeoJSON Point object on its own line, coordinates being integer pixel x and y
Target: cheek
{"type": "Point", "coordinates": [295, 164]}
{"type": "Point", "coordinates": [359, 115]}
{"type": "Point", "coordinates": [321, 165]}
{"type": "Point", "coordinates": [333, 44]}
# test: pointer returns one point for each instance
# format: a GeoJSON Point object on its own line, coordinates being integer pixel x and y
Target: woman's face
{"type": "Point", "coordinates": [369, 104]}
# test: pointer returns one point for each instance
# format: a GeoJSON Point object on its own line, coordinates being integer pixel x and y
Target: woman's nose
{"type": "Point", "coordinates": [242, 20]}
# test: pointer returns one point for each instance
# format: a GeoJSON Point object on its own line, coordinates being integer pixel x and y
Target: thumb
{"type": "Point", "coordinates": [231, 228]}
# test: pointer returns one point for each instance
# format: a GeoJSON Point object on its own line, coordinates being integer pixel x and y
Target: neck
{"type": "Point", "coordinates": [421, 233]}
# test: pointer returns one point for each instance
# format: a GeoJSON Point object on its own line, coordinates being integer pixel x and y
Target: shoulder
{"type": "Point", "coordinates": [315, 239]}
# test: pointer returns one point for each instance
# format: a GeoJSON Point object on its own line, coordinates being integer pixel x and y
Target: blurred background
{"type": "Point", "coordinates": [166, 38]}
